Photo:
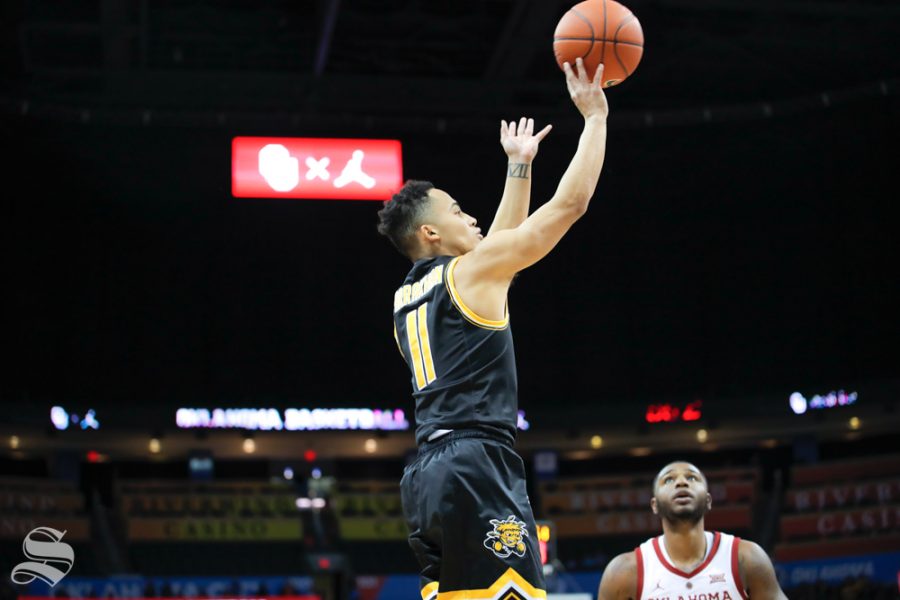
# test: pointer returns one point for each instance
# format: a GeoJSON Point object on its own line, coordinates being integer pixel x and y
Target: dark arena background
{"type": "Point", "coordinates": [202, 391]}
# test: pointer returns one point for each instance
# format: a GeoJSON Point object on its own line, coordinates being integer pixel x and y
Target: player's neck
{"type": "Point", "coordinates": [433, 252]}
{"type": "Point", "coordinates": [685, 544]}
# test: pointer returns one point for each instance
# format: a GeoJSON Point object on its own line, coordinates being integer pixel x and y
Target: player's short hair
{"type": "Point", "coordinates": [404, 213]}
{"type": "Point", "coordinates": [687, 462]}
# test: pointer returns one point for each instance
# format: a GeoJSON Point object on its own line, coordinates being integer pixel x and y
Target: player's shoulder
{"type": "Point", "coordinates": [619, 579]}
{"type": "Point", "coordinates": [752, 556]}
{"type": "Point", "coordinates": [622, 569]}
{"type": "Point", "coordinates": [489, 257]}
{"type": "Point", "coordinates": [750, 549]}
{"type": "Point", "coordinates": [758, 572]}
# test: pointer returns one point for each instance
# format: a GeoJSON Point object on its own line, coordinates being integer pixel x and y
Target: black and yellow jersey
{"type": "Point", "coordinates": [463, 366]}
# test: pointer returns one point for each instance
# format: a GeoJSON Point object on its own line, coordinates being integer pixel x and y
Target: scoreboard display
{"type": "Point", "coordinates": [546, 541]}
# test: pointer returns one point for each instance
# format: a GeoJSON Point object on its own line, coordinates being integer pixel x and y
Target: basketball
{"type": "Point", "coordinates": [600, 32]}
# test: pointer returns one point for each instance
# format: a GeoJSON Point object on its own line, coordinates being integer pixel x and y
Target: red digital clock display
{"type": "Point", "coordinates": [671, 413]}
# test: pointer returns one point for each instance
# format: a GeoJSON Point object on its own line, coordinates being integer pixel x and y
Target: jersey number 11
{"type": "Point", "coordinates": [420, 346]}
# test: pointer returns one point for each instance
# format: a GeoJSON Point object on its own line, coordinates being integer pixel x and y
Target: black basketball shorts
{"type": "Point", "coordinates": [470, 522]}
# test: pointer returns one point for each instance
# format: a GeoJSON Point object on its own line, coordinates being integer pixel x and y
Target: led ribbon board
{"type": "Point", "coordinates": [321, 168]}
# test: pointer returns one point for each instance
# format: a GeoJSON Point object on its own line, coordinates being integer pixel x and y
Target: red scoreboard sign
{"type": "Point", "coordinates": [324, 168]}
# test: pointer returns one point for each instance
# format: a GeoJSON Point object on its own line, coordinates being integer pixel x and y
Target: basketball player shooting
{"type": "Point", "coordinates": [687, 561]}
{"type": "Point", "coordinates": [464, 498]}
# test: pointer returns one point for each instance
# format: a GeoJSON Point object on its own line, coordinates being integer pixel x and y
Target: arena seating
{"type": "Point", "coordinates": [30, 502]}
{"type": "Point", "coordinates": [199, 528]}
{"type": "Point", "coordinates": [601, 506]}
{"type": "Point", "coordinates": [371, 530]}
{"type": "Point", "coordinates": [841, 508]}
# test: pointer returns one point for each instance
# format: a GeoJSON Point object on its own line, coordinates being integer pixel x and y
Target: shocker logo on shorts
{"type": "Point", "coordinates": [507, 537]}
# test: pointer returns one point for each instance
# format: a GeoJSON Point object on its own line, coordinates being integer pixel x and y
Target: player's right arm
{"type": "Point", "coordinates": [619, 581]}
{"type": "Point", "coordinates": [504, 253]}
{"type": "Point", "coordinates": [758, 573]}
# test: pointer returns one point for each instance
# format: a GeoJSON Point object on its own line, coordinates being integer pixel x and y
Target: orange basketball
{"type": "Point", "coordinates": [600, 32]}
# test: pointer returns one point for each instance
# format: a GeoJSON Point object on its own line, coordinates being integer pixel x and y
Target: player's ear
{"type": "Point", "coordinates": [708, 501]}
{"type": "Point", "coordinates": [428, 233]}
{"type": "Point", "coordinates": [653, 506]}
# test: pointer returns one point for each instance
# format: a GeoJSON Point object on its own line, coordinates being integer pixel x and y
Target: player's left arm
{"type": "Point", "coordinates": [757, 573]}
{"type": "Point", "coordinates": [521, 145]}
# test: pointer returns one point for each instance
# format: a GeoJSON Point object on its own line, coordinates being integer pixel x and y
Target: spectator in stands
{"type": "Point", "coordinates": [686, 560]}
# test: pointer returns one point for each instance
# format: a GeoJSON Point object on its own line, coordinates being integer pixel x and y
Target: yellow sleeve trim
{"type": "Point", "coordinates": [467, 312]}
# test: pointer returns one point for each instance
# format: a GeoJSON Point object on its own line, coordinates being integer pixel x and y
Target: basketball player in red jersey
{"type": "Point", "coordinates": [687, 561]}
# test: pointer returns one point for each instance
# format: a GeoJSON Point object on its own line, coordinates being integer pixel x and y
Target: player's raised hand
{"type": "Point", "coordinates": [587, 94]}
{"type": "Point", "coordinates": [519, 141]}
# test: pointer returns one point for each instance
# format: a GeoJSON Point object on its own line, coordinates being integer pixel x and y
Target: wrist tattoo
{"type": "Point", "coordinates": [519, 170]}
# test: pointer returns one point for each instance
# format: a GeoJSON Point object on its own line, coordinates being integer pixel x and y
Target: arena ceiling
{"type": "Point", "coordinates": [424, 64]}
{"type": "Point", "coordinates": [676, 314]}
